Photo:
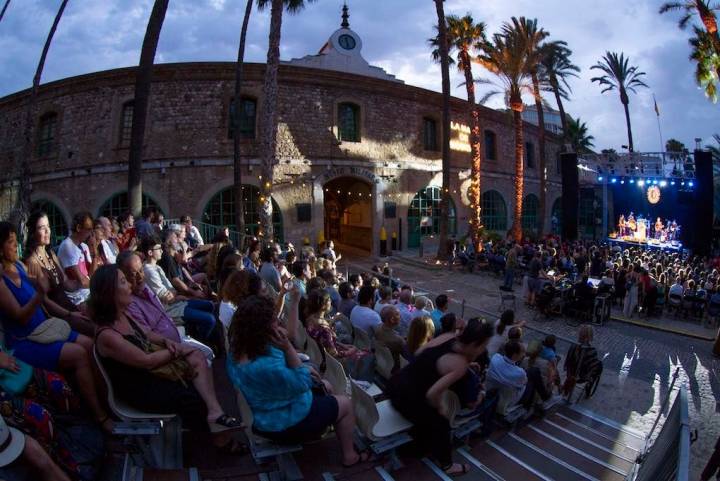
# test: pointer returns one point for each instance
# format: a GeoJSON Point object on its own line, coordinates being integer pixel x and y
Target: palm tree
{"type": "Point", "coordinates": [443, 48]}
{"type": "Point", "coordinates": [21, 210]}
{"type": "Point", "coordinates": [557, 69]}
{"type": "Point", "coordinates": [2, 12]}
{"type": "Point", "coordinates": [268, 116]}
{"type": "Point", "coordinates": [143, 78]}
{"type": "Point", "coordinates": [528, 30]}
{"type": "Point", "coordinates": [706, 43]}
{"type": "Point", "coordinates": [579, 138]}
{"type": "Point", "coordinates": [620, 76]}
{"type": "Point", "coordinates": [237, 102]}
{"type": "Point", "coordinates": [707, 70]}
{"type": "Point", "coordinates": [506, 57]}
{"type": "Point", "coordinates": [466, 36]}
{"type": "Point", "coordinates": [715, 149]}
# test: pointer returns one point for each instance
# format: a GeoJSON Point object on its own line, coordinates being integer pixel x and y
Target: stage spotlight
{"type": "Point", "coordinates": [663, 183]}
{"type": "Point", "coordinates": [613, 180]}
{"type": "Point", "coordinates": [682, 183]}
{"type": "Point", "coordinates": [600, 178]}
{"type": "Point", "coordinates": [672, 182]}
{"type": "Point", "coordinates": [654, 182]}
{"type": "Point", "coordinates": [622, 181]}
{"type": "Point", "coordinates": [641, 183]}
{"type": "Point", "coordinates": [690, 184]}
{"type": "Point", "coordinates": [632, 181]}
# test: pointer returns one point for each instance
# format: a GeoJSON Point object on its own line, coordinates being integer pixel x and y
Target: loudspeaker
{"type": "Point", "coordinates": [704, 197]}
{"type": "Point", "coordinates": [570, 197]}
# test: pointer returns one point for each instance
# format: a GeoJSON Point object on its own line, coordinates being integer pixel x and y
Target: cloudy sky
{"type": "Point", "coordinates": [102, 34]}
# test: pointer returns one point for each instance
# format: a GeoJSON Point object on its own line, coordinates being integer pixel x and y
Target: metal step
{"type": "Point", "coordinates": [573, 455]}
{"type": "Point", "coordinates": [620, 427]}
{"type": "Point", "coordinates": [540, 461]}
{"type": "Point", "coordinates": [504, 464]}
{"type": "Point", "coordinates": [617, 446]}
{"type": "Point", "coordinates": [596, 450]}
{"type": "Point", "coordinates": [612, 431]}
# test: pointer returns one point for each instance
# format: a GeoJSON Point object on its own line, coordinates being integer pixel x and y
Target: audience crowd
{"type": "Point", "coordinates": [156, 306]}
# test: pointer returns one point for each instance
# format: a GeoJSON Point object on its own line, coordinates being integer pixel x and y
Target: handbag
{"type": "Point", "coordinates": [52, 329]}
{"type": "Point", "coordinates": [15, 383]}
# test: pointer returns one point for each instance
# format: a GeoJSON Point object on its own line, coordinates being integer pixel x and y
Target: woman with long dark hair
{"type": "Point", "coordinates": [63, 292]}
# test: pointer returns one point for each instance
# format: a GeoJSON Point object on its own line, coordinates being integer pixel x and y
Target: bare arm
{"type": "Point", "coordinates": [452, 368]}
{"type": "Point", "coordinates": [73, 272]}
{"type": "Point", "coordinates": [293, 322]}
{"type": "Point", "coordinates": [114, 346]}
{"type": "Point", "coordinates": [19, 314]}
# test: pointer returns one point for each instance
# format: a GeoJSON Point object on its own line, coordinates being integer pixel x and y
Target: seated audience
{"type": "Point", "coordinates": [127, 238]}
{"type": "Point", "coordinates": [499, 338]}
{"type": "Point", "coordinates": [421, 331]}
{"type": "Point", "coordinates": [363, 316]}
{"type": "Point", "coordinates": [170, 260]}
{"type": "Point", "coordinates": [22, 457]}
{"type": "Point", "coordinates": [416, 391]}
{"type": "Point", "coordinates": [302, 274]}
{"type": "Point", "coordinates": [239, 286]}
{"type": "Point", "coordinates": [442, 305]}
{"type": "Point", "coordinates": [148, 371]}
{"type": "Point", "coordinates": [278, 388]}
{"type": "Point", "coordinates": [144, 226]}
{"type": "Point", "coordinates": [347, 299]}
{"type": "Point", "coordinates": [78, 252]}
{"type": "Point", "coordinates": [386, 335]}
{"type": "Point", "coordinates": [407, 310]}
{"type": "Point", "coordinates": [582, 362]}
{"type": "Point", "coordinates": [63, 294]}
{"type": "Point", "coordinates": [193, 236]}
{"type": "Point", "coordinates": [423, 306]}
{"type": "Point", "coordinates": [449, 324]}
{"type": "Point", "coordinates": [107, 249]}
{"type": "Point", "coordinates": [268, 271]}
{"type": "Point", "coordinates": [35, 338]}
{"type": "Point", "coordinates": [385, 299]}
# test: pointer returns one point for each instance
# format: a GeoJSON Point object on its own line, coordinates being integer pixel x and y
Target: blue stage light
{"type": "Point", "coordinates": [690, 184]}
{"type": "Point", "coordinates": [641, 182]}
{"type": "Point", "coordinates": [682, 183]}
{"type": "Point", "coordinates": [654, 182]}
{"type": "Point", "coordinates": [600, 178]}
{"type": "Point", "coordinates": [663, 183]}
{"type": "Point", "coordinates": [622, 181]}
{"type": "Point", "coordinates": [672, 182]}
{"type": "Point", "coordinates": [632, 181]}
{"type": "Point", "coordinates": [613, 180]}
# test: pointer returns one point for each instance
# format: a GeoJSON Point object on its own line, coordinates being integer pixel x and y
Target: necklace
{"type": "Point", "coordinates": [48, 265]}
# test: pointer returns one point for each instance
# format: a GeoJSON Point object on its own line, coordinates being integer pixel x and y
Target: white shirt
{"type": "Point", "coordinates": [364, 318]}
{"type": "Point", "coordinates": [109, 250]}
{"type": "Point", "coordinates": [156, 279]}
{"type": "Point", "coordinates": [69, 255]}
{"type": "Point", "coordinates": [195, 234]}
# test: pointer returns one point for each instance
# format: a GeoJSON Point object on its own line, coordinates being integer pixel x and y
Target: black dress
{"type": "Point", "coordinates": [142, 390]}
{"type": "Point", "coordinates": [407, 390]}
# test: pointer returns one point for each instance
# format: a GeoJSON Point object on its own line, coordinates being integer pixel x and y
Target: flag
{"type": "Point", "coordinates": [657, 110]}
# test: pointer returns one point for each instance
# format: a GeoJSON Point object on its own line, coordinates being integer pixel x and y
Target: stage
{"type": "Point", "coordinates": [660, 246]}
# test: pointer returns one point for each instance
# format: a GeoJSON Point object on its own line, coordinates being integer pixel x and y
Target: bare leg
{"type": "Point", "coordinates": [36, 457]}
{"type": "Point", "coordinates": [75, 360]}
{"type": "Point", "coordinates": [205, 385]}
{"type": "Point", "coordinates": [344, 426]}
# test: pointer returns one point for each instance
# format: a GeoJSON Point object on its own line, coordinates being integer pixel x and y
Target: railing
{"type": "Point", "coordinates": [668, 459]}
{"type": "Point", "coordinates": [667, 165]}
{"type": "Point", "coordinates": [209, 231]}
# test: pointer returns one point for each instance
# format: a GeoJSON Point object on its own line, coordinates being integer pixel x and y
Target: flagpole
{"type": "Point", "coordinates": [657, 112]}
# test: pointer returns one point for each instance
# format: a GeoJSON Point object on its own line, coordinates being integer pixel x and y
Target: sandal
{"type": "Point", "coordinates": [464, 469]}
{"type": "Point", "coordinates": [225, 423]}
{"type": "Point", "coordinates": [233, 447]}
{"type": "Point", "coordinates": [363, 457]}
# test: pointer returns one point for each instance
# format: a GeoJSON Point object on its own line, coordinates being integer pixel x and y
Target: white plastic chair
{"type": "Point", "coordinates": [362, 340]}
{"type": "Point", "coordinates": [158, 436]}
{"type": "Point", "coordinates": [384, 361]}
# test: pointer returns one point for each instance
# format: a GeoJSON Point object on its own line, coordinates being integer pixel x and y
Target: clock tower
{"type": "Point", "coordinates": [342, 52]}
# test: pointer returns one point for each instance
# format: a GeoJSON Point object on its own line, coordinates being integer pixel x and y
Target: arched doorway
{"type": "Point", "coordinates": [424, 215]}
{"type": "Point", "coordinates": [348, 212]}
{"type": "Point", "coordinates": [118, 204]}
{"type": "Point", "coordinates": [220, 211]}
{"type": "Point", "coordinates": [529, 219]}
{"type": "Point", "coordinates": [494, 211]}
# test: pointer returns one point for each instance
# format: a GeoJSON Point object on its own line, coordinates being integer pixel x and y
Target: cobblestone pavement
{"type": "Point", "coordinates": [639, 362]}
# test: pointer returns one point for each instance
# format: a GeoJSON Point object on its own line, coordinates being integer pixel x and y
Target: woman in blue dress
{"type": "Point", "coordinates": [21, 313]}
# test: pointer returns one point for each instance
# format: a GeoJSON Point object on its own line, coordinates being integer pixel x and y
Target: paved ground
{"type": "Point", "coordinates": [639, 362]}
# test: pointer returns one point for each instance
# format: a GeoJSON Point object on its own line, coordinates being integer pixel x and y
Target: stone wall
{"type": "Point", "coordinates": [188, 155]}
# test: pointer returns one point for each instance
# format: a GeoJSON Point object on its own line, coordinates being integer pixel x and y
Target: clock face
{"type": "Point", "coordinates": [346, 41]}
{"type": "Point", "coordinates": [653, 194]}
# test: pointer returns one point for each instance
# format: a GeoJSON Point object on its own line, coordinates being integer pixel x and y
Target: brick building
{"type": "Point", "coordinates": [357, 149]}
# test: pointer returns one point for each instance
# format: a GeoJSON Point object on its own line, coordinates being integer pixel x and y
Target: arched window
{"type": "Point", "coordinates": [58, 225]}
{"type": "Point", "coordinates": [556, 216]}
{"type": "Point", "coordinates": [529, 155]}
{"type": "Point", "coordinates": [248, 114]}
{"type": "Point", "coordinates": [490, 145]}
{"type": "Point", "coordinates": [424, 215]}
{"type": "Point", "coordinates": [126, 122]}
{"type": "Point", "coordinates": [530, 212]}
{"type": "Point", "coordinates": [118, 204]}
{"type": "Point", "coordinates": [494, 211]}
{"type": "Point", "coordinates": [47, 134]}
{"type": "Point", "coordinates": [348, 122]}
{"type": "Point", "coordinates": [220, 211]}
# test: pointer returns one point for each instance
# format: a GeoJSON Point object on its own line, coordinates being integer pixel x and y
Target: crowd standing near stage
{"type": "Point", "coordinates": [157, 305]}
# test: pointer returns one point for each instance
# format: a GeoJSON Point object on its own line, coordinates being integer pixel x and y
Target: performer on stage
{"type": "Point", "coordinates": [621, 225]}
{"type": "Point", "coordinates": [631, 224]}
{"type": "Point", "coordinates": [658, 228]}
